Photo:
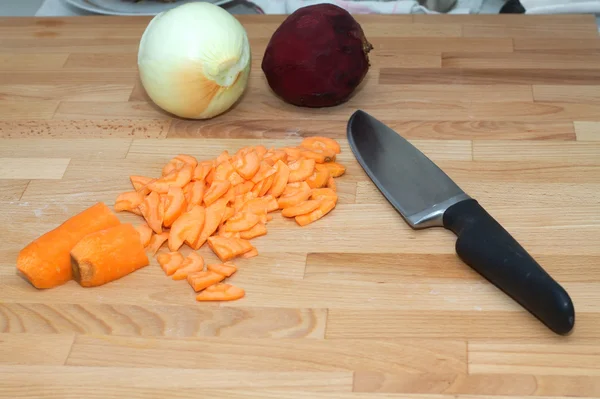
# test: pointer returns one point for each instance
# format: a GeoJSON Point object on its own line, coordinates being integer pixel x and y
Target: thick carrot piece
{"type": "Point", "coordinates": [331, 183]}
{"type": "Point", "coordinates": [202, 280]}
{"type": "Point", "coordinates": [174, 205]}
{"type": "Point", "coordinates": [326, 206]}
{"type": "Point", "coordinates": [319, 177]}
{"type": "Point", "coordinates": [335, 169]}
{"type": "Point", "coordinates": [250, 254]}
{"type": "Point", "coordinates": [129, 201]}
{"type": "Point", "coordinates": [192, 264]}
{"type": "Point", "coordinates": [177, 177]}
{"type": "Point", "coordinates": [301, 208]}
{"type": "Point", "coordinates": [223, 157]}
{"type": "Point", "coordinates": [301, 170]}
{"type": "Point", "coordinates": [152, 210]}
{"type": "Point", "coordinates": [264, 171]}
{"type": "Point", "coordinates": [156, 242]}
{"type": "Point", "coordinates": [217, 189]}
{"type": "Point", "coordinates": [221, 292]}
{"type": "Point", "coordinates": [257, 230]}
{"type": "Point", "coordinates": [228, 248]}
{"type": "Point", "coordinates": [241, 221]}
{"type": "Point", "coordinates": [139, 182]}
{"type": "Point", "coordinates": [226, 269]}
{"type": "Point", "coordinates": [281, 179]}
{"type": "Point", "coordinates": [170, 261]}
{"type": "Point", "coordinates": [187, 228]}
{"type": "Point", "coordinates": [145, 234]}
{"type": "Point", "coordinates": [202, 170]}
{"type": "Point", "coordinates": [212, 219]}
{"type": "Point", "coordinates": [321, 142]}
{"type": "Point", "coordinates": [46, 262]}
{"type": "Point", "coordinates": [108, 255]}
{"type": "Point", "coordinates": [247, 164]}
{"type": "Point", "coordinates": [178, 162]}
{"type": "Point", "coordinates": [194, 193]}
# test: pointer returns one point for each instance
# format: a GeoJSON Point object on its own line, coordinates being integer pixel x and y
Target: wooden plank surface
{"type": "Point", "coordinates": [355, 306]}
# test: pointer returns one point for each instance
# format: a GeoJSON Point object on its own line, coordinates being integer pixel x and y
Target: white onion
{"type": "Point", "coordinates": [194, 60]}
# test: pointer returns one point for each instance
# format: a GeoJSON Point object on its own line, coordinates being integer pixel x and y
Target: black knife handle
{"type": "Point", "coordinates": [488, 248]}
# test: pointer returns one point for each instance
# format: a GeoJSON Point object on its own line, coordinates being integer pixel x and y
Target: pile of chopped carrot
{"type": "Point", "coordinates": [228, 201]}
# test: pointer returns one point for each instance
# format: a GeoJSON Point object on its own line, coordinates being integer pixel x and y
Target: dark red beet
{"type": "Point", "coordinates": [317, 57]}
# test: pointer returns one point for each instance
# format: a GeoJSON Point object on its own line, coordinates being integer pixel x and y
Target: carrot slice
{"type": "Point", "coordinates": [156, 242]}
{"type": "Point", "coordinates": [319, 177]}
{"type": "Point", "coordinates": [264, 171]}
{"type": "Point", "coordinates": [212, 219]}
{"type": "Point", "coordinates": [275, 155]}
{"type": "Point", "coordinates": [170, 261]}
{"type": "Point", "coordinates": [281, 179]}
{"type": "Point", "coordinates": [335, 169]}
{"type": "Point", "coordinates": [224, 170]}
{"type": "Point", "coordinates": [226, 269]}
{"type": "Point", "coordinates": [107, 255]}
{"type": "Point", "coordinates": [331, 183]}
{"type": "Point", "coordinates": [247, 164]}
{"type": "Point", "coordinates": [241, 221]}
{"type": "Point", "coordinates": [301, 170]}
{"type": "Point", "coordinates": [210, 177]}
{"type": "Point", "coordinates": [194, 193]}
{"type": "Point", "coordinates": [178, 162]}
{"type": "Point", "coordinates": [203, 279]}
{"type": "Point", "coordinates": [323, 193]}
{"type": "Point", "coordinates": [235, 178]}
{"type": "Point", "coordinates": [321, 142]}
{"type": "Point", "coordinates": [221, 292]}
{"type": "Point", "coordinates": [228, 248]}
{"type": "Point", "coordinates": [267, 183]}
{"type": "Point", "coordinates": [243, 188]}
{"type": "Point", "coordinates": [301, 209]}
{"type": "Point", "coordinates": [261, 150]}
{"type": "Point", "coordinates": [145, 234]}
{"type": "Point", "coordinates": [293, 154]}
{"type": "Point", "coordinates": [191, 264]}
{"type": "Point", "coordinates": [187, 228]}
{"type": "Point", "coordinates": [129, 201]}
{"type": "Point", "coordinates": [324, 208]}
{"type": "Point", "coordinates": [174, 205]}
{"type": "Point", "coordinates": [298, 195]}
{"type": "Point", "coordinates": [257, 230]}
{"type": "Point", "coordinates": [229, 212]}
{"type": "Point", "coordinates": [250, 254]}
{"type": "Point", "coordinates": [228, 234]}
{"type": "Point", "coordinates": [202, 170]}
{"type": "Point", "coordinates": [320, 155]}
{"type": "Point", "coordinates": [217, 189]}
{"type": "Point", "coordinates": [177, 177]}
{"type": "Point", "coordinates": [139, 182]}
{"type": "Point", "coordinates": [240, 200]}
{"type": "Point", "coordinates": [224, 156]}
{"type": "Point", "coordinates": [152, 210]}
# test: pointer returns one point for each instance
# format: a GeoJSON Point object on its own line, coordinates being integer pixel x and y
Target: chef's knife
{"type": "Point", "coordinates": [426, 197]}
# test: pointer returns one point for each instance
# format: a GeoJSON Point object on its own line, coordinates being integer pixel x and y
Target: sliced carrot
{"type": "Point", "coordinates": [228, 248]}
{"type": "Point", "coordinates": [301, 170]}
{"type": "Point", "coordinates": [170, 261]}
{"type": "Point", "coordinates": [247, 164]}
{"type": "Point", "coordinates": [323, 193]}
{"type": "Point", "coordinates": [293, 154]}
{"type": "Point", "coordinates": [228, 234]}
{"type": "Point", "coordinates": [260, 150]}
{"type": "Point", "coordinates": [224, 156]}
{"type": "Point", "coordinates": [217, 189]}
{"type": "Point", "coordinates": [331, 183]}
{"type": "Point", "coordinates": [174, 205]}
{"type": "Point", "coordinates": [281, 179]}
{"type": "Point", "coordinates": [298, 195]}
{"type": "Point", "coordinates": [243, 188]}
{"type": "Point", "coordinates": [107, 255]}
{"type": "Point", "coordinates": [224, 170]}
{"type": "Point", "coordinates": [194, 193]}
{"type": "Point", "coordinates": [212, 219]}
{"type": "Point", "coordinates": [187, 228]}
{"type": "Point", "coordinates": [236, 179]}
{"type": "Point", "coordinates": [335, 169]}
{"type": "Point", "coordinates": [226, 269]}
{"type": "Point", "coordinates": [240, 200]}
{"type": "Point", "coordinates": [202, 170]}
{"type": "Point", "coordinates": [241, 221]}
{"type": "Point", "coordinates": [145, 234]}
{"type": "Point", "coordinates": [272, 204]}
{"type": "Point", "coordinates": [129, 201]}
{"type": "Point", "coordinates": [250, 254]}
{"type": "Point", "coordinates": [321, 142]}
{"type": "Point", "coordinates": [210, 177]}
{"type": "Point", "coordinates": [266, 185]}
{"type": "Point", "coordinates": [257, 206]}
{"type": "Point", "coordinates": [178, 162]}
{"type": "Point", "coordinates": [191, 264]}
{"type": "Point", "coordinates": [177, 177]}
{"type": "Point", "coordinates": [326, 206]}
{"type": "Point", "coordinates": [276, 155]}
{"type": "Point", "coordinates": [320, 155]}
{"type": "Point", "coordinates": [139, 182]}
{"type": "Point", "coordinates": [156, 242]}
{"type": "Point", "coordinates": [152, 210]}
{"type": "Point", "coordinates": [264, 171]}
{"type": "Point", "coordinates": [301, 208]}
{"type": "Point", "coordinates": [257, 230]}
{"type": "Point", "coordinates": [203, 279]}
{"type": "Point", "coordinates": [221, 292]}
{"type": "Point", "coordinates": [319, 177]}
{"type": "Point", "coordinates": [229, 212]}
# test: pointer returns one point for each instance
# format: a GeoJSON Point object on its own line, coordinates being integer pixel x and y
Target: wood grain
{"type": "Point", "coordinates": [33, 168]}
{"type": "Point", "coordinates": [67, 92]}
{"type": "Point", "coordinates": [565, 93]}
{"type": "Point", "coordinates": [35, 349]}
{"type": "Point", "coordinates": [67, 148]}
{"type": "Point", "coordinates": [92, 128]}
{"type": "Point", "coordinates": [587, 131]}
{"type": "Point", "coordinates": [12, 190]}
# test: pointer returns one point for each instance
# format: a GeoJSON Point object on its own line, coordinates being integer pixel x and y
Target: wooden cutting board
{"type": "Point", "coordinates": [357, 303]}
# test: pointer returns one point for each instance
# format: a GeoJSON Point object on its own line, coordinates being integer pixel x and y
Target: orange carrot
{"type": "Point", "coordinates": [145, 234]}
{"type": "Point", "coordinates": [241, 221]}
{"type": "Point", "coordinates": [221, 292]}
{"type": "Point", "coordinates": [250, 254]}
{"type": "Point", "coordinates": [301, 208]}
{"type": "Point", "coordinates": [257, 230]}
{"type": "Point", "coordinates": [228, 248]}
{"type": "Point", "coordinates": [260, 150]}
{"type": "Point", "coordinates": [247, 164]}
{"type": "Point", "coordinates": [187, 228]}
{"type": "Point", "coordinates": [139, 182]}
{"type": "Point", "coordinates": [153, 211]}
{"type": "Point", "coordinates": [319, 177]}
{"type": "Point", "coordinates": [210, 177]}
{"type": "Point", "coordinates": [331, 183]}
{"type": "Point", "coordinates": [170, 261]}
{"type": "Point", "coordinates": [216, 190]}
{"type": "Point", "coordinates": [295, 196]}
{"type": "Point", "coordinates": [324, 208]}
{"type": "Point", "coordinates": [191, 264]}
{"type": "Point", "coordinates": [266, 185]}
{"type": "Point", "coordinates": [235, 179]}
{"type": "Point", "coordinates": [226, 269]}
{"type": "Point", "coordinates": [156, 242]}
{"type": "Point", "coordinates": [178, 177]}
{"type": "Point", "coordinates": [201, 280]}
{"type": "Point", "coordinates": [202, 170]}
{"type": "Point", "coordinates": [281, 179]}
{"type": "Point", "coordinates": [301, 170]}
{"type": "Point", "coordinates": [175, 204]}
{"type": "Point", "coordinates": [223, 157]}
{"type": "Point", "coordinates": [243, 188]}
{"type": "Point", "coordinates": [178, 162]}
{"type": "Point", "coordinates": [45, 261]}
{"type": "Point", "coordinates": [224, 170]}
{"type": "Point", "coordinates": [212, 219]}
{"type": "Point", "coordinates": [229, 212]}
{"type": "Point", "coordinates": [320, 155]}
{"type": "Point", "coordinates": [323, 193]}
{"type": "Point", "coordinates": [275, 155]}
{"type": "Point", "coordinates": [129, 201]}
{"type": "Point", "coordinates": [321, 143]}
{"type": "Point", "coordinates": [335, 169]}
{"type": "Point", "coordinates": [293, 154]}
{"type": "Point", "coordinates": [257, 206]}
{"type": "Point", "coordinates": [264, 171]}
{"type": "Point", "coordinates": [107, 255]}
{"type": "Point", "coordinates": [194, 193]}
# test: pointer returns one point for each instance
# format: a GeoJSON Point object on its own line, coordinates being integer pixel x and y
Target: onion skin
{"type": "Point", "coordinates": [317, 57]}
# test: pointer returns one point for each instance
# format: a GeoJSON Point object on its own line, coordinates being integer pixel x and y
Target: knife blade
{"type": "Point", "coordinates": [427, 197]}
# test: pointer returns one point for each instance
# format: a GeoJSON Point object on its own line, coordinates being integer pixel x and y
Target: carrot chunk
{"type": "Point", "coordinates": [156, 242]}
{"type": "Point", "coordinates": [275, 155]}
{"type": "Point", "coordinates": [203, 279]}
{"type": "Point", "coordinates": [301, 170]}
{"type": "Point", "coordinates": [221, 292]}
{"type": "Point", "coordinates": [319, 177]}
{"type": "Point", "coordinates": [224, 170]}
{"type": "Point", "coordinates": [260, 150]}
{"type": "Point", "coordinates": [191, 264]}
{"type": "Point", "coordinates": [107, 255]}
{"type": "Point", "coordinates": [129, 201]}
{"type": "Point", "coordinates": [153, 211]}
{"type": "Point", "coordinates": [259, 229]}
{"type": "Point", "coordinates": [324, 208]}
{"type": "Point", "coordinates": [178, 162]}
{"type": "Point", "coordinates": [243, 188]}
{"type": "Point", "coordinates": [139, 182]}
{"type": "Point", "coordinates": [213, 218]}
{"type": "Point", "coordinates": [202, 170]}
{"type": "Point", "coordinates": [281, 179]}
{"type": "Point", "coordinates": [323, 193]}
{"type": "Point", "coordinates": [217, 189]}
{"type": "Point", "coordinates": [226, 269]}
{"type": "Point", "coordinates": [223, 157]}
{"type": "Point", "coordinates": [194, 193]}
{"type": "Point", "coordinates": [228, 248]}
{"type": "Point", "coordinates": [293, 154]}
{"type": "Point", "coordinates": [335, 169]}
{"type": "Point", "coordinates": [235, 179]}
{"type": "Point", "coordinates": [247, 164]}
{"type": "Point", "coordinates": [187, 228]}
{"type": "Point", "coordinates": [229, 212]}
{"type": "Point", "coordinates": [250, 254]}
{"type": "Point", "coordinates": [170, 261]}
{"type": "Point", "coordinates": [145, 234]}
{"type": "Point", "coordinates": [175, 204]}
{"type": "Point", "coordinates": [331, 183]}
{"type": "Point", "coordinates": [301, 208]}
{"type": "Point", "coordinates": [294, 195]}
{"type": "Point", "coordinates": [177, 177]}
{"type": "Point", "coordinates": [241, 221]}
{"type": "Point", "coordinates": [266, 185]}
{"type": "Point", "coordinates": [264, 171]}
{"type": "Point", "coordinates": [322, 143]}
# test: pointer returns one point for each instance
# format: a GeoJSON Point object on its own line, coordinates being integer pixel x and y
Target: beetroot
{"type": "Point", "coordinates": [317, 56]}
